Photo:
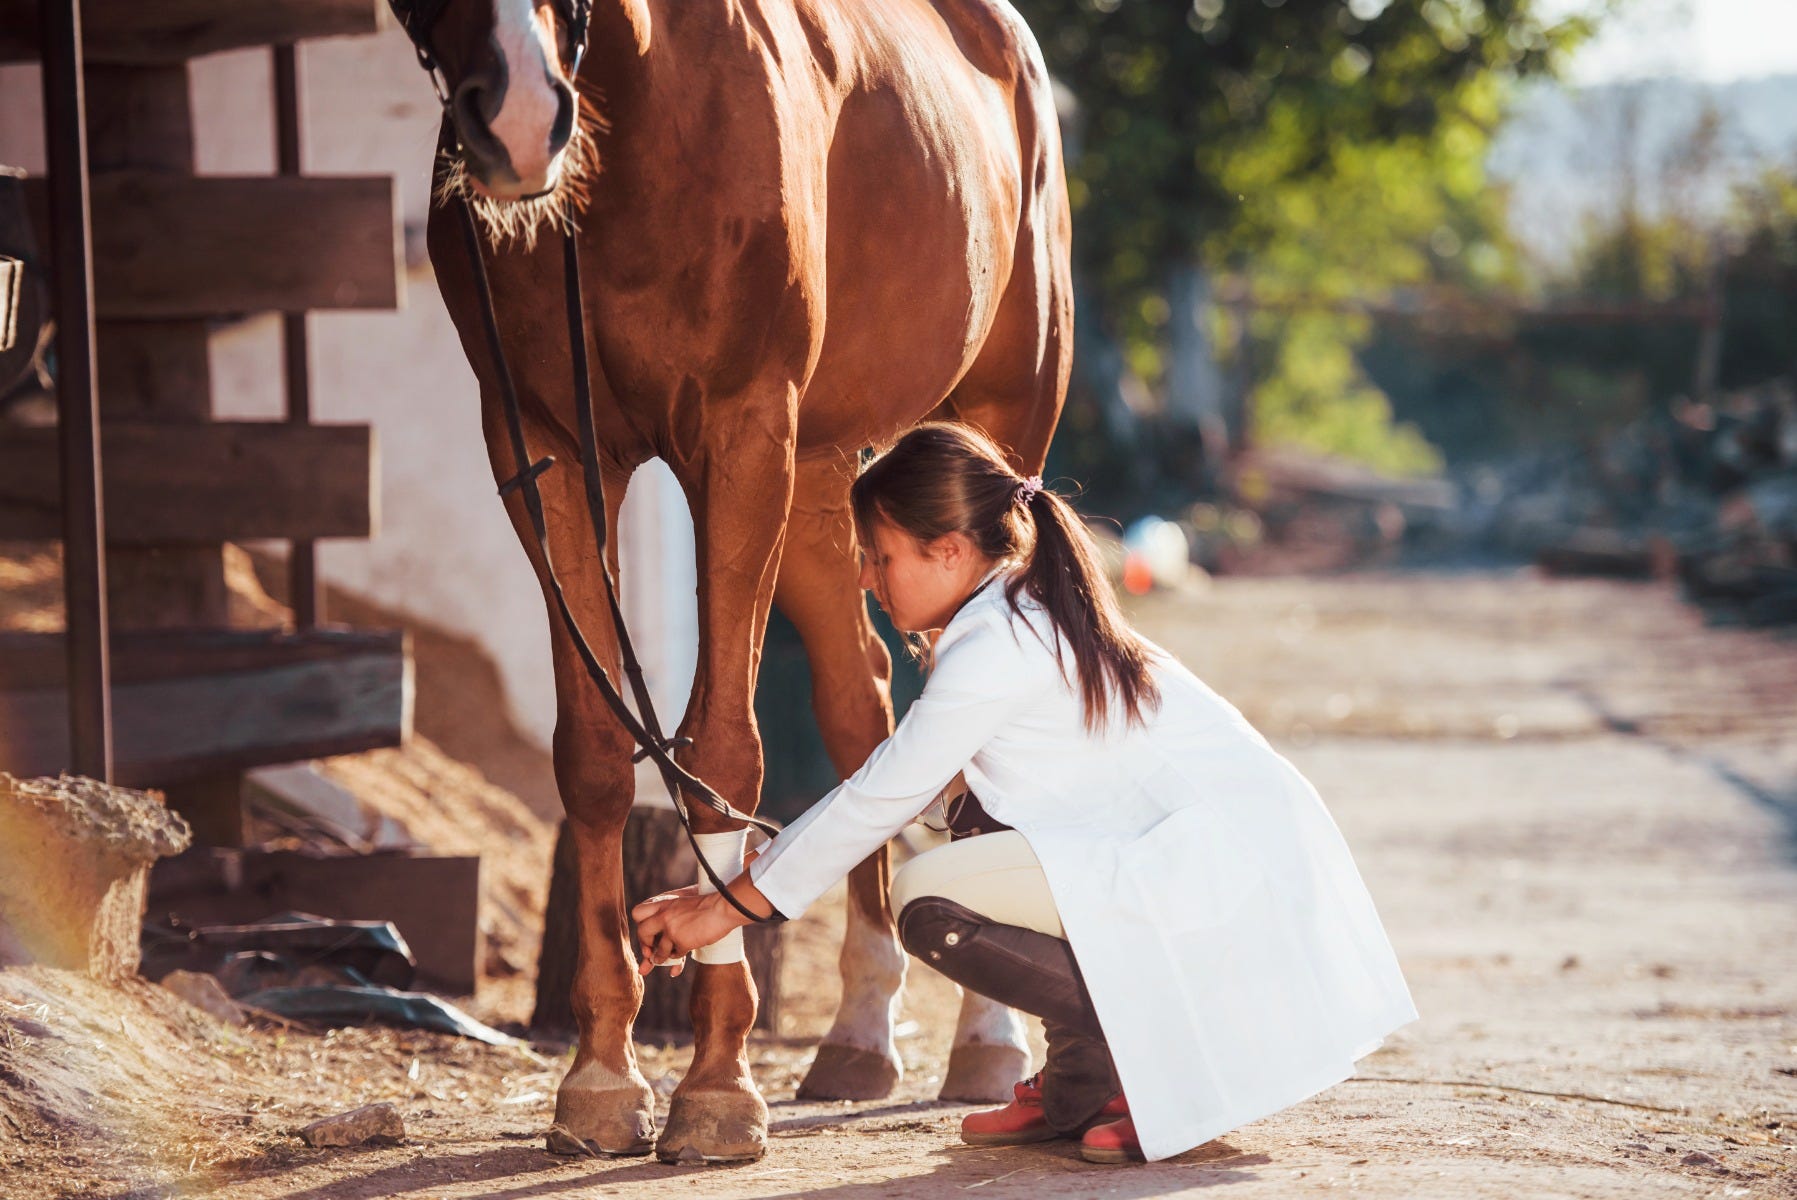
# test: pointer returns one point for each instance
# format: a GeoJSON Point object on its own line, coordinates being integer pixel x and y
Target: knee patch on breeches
{"type": "Point", "coordinates": [931, 927]}
{"type": "Point", "coordinates": [1028, 970]}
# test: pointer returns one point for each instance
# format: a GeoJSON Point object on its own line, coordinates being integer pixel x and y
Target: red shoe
{"type": "Point", "coordinates": [1112, 1143]}
{"type": "Point", "coordinates": [1021, 1121]}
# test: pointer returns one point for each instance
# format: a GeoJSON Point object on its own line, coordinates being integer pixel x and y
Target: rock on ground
{"type": "Point", "coordinates": [205, 993]}
{"type": "Point", "coordinates": [365, 1124]}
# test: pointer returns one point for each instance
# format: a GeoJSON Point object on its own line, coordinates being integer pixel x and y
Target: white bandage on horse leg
{"type": "Point", "coordinates": [724, 851]}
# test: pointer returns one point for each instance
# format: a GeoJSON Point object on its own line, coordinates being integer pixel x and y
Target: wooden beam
{"type": "Point", "coordinates": [203, 483]}
{"type": "Point", "coordinates": [170, 245]}
{"type": "Point", "coordinates": [192, 703]}
{"type": "Point", "coordinates": [163, 31]}
{"type": "Point", "coordinates": [30, 660]}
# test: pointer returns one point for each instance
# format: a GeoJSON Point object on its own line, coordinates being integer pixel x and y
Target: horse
{"type": "Point", "coordinates": [805, 226]}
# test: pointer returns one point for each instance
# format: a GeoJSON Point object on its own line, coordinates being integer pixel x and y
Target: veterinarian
{"type": "Point", "coordinates": [1135, 864]}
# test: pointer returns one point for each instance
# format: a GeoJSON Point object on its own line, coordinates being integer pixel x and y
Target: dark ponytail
{"type": "Point", "coordinates": [1065, 574]}
{"type": "Point", "coordinates": [943, 477]}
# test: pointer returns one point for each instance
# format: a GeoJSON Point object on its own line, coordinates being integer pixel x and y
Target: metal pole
{"type": "Point", "coordinates": [78, 401]}
{"type": "Point", "coordinates": [303, 587]}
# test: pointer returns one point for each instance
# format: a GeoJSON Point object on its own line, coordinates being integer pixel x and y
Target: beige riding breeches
{"type": "Point", "coordinates": [995, 875]}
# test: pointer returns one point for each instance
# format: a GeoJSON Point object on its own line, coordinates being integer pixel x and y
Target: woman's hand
{"type": "Point", "coordinates": [669, 925]}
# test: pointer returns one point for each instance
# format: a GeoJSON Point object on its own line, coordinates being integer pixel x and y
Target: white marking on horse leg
{"type": "Point", "coordinates": [527, 114]}
{"type": "Point", "coordinates": [991, 1053]}
{"type": "Point", "coordinates": [873, 974]}
{"type": "Point", "coordinates": [986, 1022]}
{"type": "Point", "coordinates": [593, 1075]}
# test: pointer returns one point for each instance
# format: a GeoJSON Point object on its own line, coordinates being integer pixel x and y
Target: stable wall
{"type": "Point", "coordinates": [444, 551]}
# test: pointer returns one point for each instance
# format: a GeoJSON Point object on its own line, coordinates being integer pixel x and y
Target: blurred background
{"type": "Point", "coordinates": [1436, 283]}
{"type": "Point", "coordinates": [1359, 282]}
{"type": "Point", "coordinates": [1537, 251]}
{"type": "Point", "coordinates": [1435, 399]}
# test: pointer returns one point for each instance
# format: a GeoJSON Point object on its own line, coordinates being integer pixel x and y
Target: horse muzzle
{"type": "Point", "coordinates": [513, 139]}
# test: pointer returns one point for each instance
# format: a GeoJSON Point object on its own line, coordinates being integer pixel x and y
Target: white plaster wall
{"type": "Point", "coordinates": [444, 551]}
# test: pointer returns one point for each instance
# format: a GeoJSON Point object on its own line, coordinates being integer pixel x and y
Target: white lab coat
{"type": "Point", "coordinates": [1231, 950]}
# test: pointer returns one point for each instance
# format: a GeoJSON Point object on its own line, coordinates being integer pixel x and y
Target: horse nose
{"type": "Point", "coordinates": [475, 105]}
{"type": "Point", "coordinates": [563, 127]}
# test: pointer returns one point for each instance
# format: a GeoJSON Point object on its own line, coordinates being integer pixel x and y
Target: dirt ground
{"type": "Point", "coordinates": [1576, 807]}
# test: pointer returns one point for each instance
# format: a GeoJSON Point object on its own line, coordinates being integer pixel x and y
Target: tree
{"type": "Point", "coordinates": [1294, 153]}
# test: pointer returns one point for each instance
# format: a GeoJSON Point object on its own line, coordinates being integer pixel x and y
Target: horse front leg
{"type": "Point", "coordinates": [603, 1104]}
{"type": "Point", "coordinates": [740, 491]}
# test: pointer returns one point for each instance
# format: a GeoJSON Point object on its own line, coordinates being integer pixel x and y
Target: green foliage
{"type": "Point", "coordinates": [1552, 374]}
{"type": "Point", "coordinates": [1631, 258]}
{"type": "Point", "coordinates": [1759, 283]}
{"type": "Point", "coordinates": [1305, 151]}
{"type": "Point", "coordinates": [1315, 397]}
{"type": "Point", "coordinates": [1745, 261]}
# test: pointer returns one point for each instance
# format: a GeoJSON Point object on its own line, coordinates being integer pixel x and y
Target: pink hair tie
{"type": "Point", "coordinates": [1029, 487]}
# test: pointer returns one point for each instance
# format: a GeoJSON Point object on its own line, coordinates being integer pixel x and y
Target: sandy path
{"type": "Point", "coordinates": [1577, 810]}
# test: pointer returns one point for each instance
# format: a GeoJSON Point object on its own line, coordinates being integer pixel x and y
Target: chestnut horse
{"type": "Point", "coordinates": [806, 225]}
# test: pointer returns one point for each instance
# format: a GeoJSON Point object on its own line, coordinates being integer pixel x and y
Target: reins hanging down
{"type": "Point", "coordinates": [418, 17]}
{"type": "Point", "coordinates": [647, 732]}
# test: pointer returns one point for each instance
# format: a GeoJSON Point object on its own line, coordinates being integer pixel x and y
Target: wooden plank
{"type": "Point", "coordinates": [168, 245]}
{"type": "Point", "coordinates": [186, 705]}
{"type": "Point", "coordinates": [34, 660]}
{"type": "Point", "coordinates": [162, 31]}
{"type": "Point", "coordinates": [433, 899]}
{"type": "Point", "coordinates": [203, 483]}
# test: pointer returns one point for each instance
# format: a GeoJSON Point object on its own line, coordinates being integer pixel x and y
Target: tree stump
{"type": "Point", "coordinates": [656, 858]}
{"type": "Point", "coordinates": [74, 856]}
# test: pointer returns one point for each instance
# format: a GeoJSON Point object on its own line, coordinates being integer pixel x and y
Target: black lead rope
{"type": "Point", "coordinates": [647, 732]}
{"type": "Point", "coordinates": [418, 17]}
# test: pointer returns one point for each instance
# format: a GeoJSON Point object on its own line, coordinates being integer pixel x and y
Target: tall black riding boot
{"type": "Point", "coordinates": [1078, 1079]}
{"type": "Point", "coordinates": [1035, 973]}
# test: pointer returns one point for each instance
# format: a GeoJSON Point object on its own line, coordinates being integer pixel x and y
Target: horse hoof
{"type": "Point", "coordinates": [615, 1121]}
{"type": "Point", "coordinates": [983, 1071]}
{"type": "Point", "coordinates": [850, 1073]}
{"type": "Point", "coordinates": [714, 1127]}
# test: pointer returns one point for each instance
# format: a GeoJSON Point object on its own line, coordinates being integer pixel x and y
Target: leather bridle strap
{"type": "Point", "coordinates": [418, 17]}
{"type": "Point", "coordinates": [647, 731]}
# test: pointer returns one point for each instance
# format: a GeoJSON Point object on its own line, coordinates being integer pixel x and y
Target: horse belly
{"type": "Point", "coordinates": [922, 216]}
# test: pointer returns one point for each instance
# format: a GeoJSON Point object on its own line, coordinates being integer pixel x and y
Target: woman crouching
{"type": "Point", "coordinates": [1133, 863]}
